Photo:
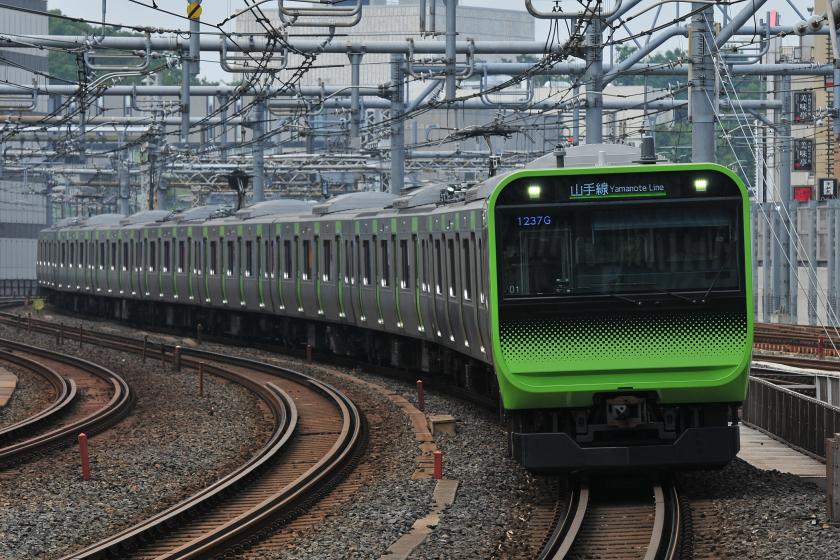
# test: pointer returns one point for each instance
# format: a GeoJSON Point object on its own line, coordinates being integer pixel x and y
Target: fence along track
{"type": "Point", "coordinates": [596, 526]}
{"type": "Point", "coordinates": [65, 393]}
{"type": "Point", "coordinates": [97, 420]}
{"type": "Point", "coordinates": [277, 507]}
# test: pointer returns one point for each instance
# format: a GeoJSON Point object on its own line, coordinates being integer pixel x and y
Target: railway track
{"type": "Point", "coordinates": [604, 519]}
{"type": "Point", "coordinates": [318, 436]}
{"type": "Point", "coordinates": [91, 398]}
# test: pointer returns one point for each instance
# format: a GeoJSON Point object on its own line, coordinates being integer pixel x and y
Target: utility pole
{"type": "Point", "coordinates": [190, 66]}
{"type": "Point", "coordinates": [259, 151]}
{"type": "Point", "coordinates": [398, 124]}
{"type": "Point", "coordinates": [594, 53]}
{"type": "Point", "coordinates": [355, 107]}
{"type": "Point", "coordinates": [788, 211]}
{"type": "Point", "coordinates": [451, 36]}
{"type": "Point", "coordinates": [702, 80]}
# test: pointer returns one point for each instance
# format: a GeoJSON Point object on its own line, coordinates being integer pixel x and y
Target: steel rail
{"type": "Point", "coordinates": [665, 536]}
{"type": "Point", "coordinates": [565, 532]}
{"type": "Point", "coordinates": [282, 505]}
{"type": "Point", "coordinates": [65, 391]}
{"type": "Point", "coordinates": [121, 402]}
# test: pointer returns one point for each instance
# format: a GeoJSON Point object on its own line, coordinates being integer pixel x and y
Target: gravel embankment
{"type": "Point", "coordinates": [762, 514]}
{"type": "Point", "coordinates": [32, 394]}
{"type": "Point", "coordinates": [758, 514]}
{"type": "Point", "coordinates": [173, 444]}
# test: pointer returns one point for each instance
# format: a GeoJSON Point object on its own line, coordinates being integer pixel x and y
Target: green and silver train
{"type": "Point", "coordinates": [606, 307]}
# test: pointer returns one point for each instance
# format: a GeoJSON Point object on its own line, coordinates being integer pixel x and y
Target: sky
{"type": "Point", "coordinates": [139, 13]}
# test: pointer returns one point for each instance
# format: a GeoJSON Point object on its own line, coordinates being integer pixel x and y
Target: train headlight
{"type": "Point", "coordinates": [700, 185]}
{"type": "Point", "coordinates": [534, 191]}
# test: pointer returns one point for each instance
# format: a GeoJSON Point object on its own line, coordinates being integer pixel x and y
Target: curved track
{"type": "Point", "coordinates": [64, 390]}
{"type": "Point", "coordinates": [318, 436]}
{"type": "Point", "coordinates": [105, 400]}
{"type": "Point", "coordinates": [616, 521]}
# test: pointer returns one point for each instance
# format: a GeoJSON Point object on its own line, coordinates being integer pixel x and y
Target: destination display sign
{"type": "Point", "coordinates": [606, 189]}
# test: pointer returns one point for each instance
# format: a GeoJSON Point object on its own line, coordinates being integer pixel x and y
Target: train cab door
{"type": "Point", "coordinates": [468, 292]}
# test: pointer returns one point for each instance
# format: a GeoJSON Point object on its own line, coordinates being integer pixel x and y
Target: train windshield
{"type": "Point", "coordinates": [594, 250]}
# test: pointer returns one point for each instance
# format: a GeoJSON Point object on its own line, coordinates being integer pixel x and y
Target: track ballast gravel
{"type": "Point", "coordinates": [173, 444]}
{"type": "Point", "coordinates": [759, 514]}
{"type": "Point", "coordinates": [32, 394]}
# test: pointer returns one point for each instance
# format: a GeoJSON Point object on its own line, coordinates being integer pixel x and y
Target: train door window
{"type": "Point", "coordinates": [327, 264]}
{"type": "Point", "coordinates": [366, 257]}
{"type": "Point", "coordinates": [438, 268]}
{"type": "Point", "coordinates": [213, 261]}
{"type": "Point", "coordinates": [465, 254]}
{"type": "Point", "coordinates": [113, 262]}
{"type": "Point", "coordinates": [152, 257]}
{"type": "Point", "coordinates": [424, 268]}
{"type": "Point", "coordinates": [287, 259]}
{"type": "Point", "coordinates": [480, 273]}
{"type": "Point", "coordinates": [262, 251]}
{"type": "Point", "coordinates": [296, 259]}
{"type": "Point", "coordinates": [405, 269]}
{"type": "Point", "coordinates": [102, 256]}
{"type": "Point", "coordinates": [230, 258]}
{"type": "Point", "coordinates": [338, 271]}
{"type": "Point", "coordinates": [164, 264]}
{"type": "Point", "coordinates": [81, 254]}
{"type": "Point", "coordinates": [348, 260]}
{"type": "Point", "coordinates": [249, 259]}
{"type": "Point", "coordinates": [182, 255]}
{"type": "Point", "coordinates": [450, 248]}
{"type": "Point", "coordinates": [385, 279]}
{"type": "Point", "coordinates": [307, 262]}
{"type": "Point", "coordinates": [72, 261]}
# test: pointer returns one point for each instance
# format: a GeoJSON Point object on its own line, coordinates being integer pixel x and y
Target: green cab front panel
{"type": "Point", "coordinates": [620, 280]}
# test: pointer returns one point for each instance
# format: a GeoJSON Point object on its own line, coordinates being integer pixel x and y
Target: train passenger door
{"type": "Point", "coordinates": [407, 285]}
{"type": "Point", "coordinates": [367, 288]}
{"type": "Point", "coordinates": [349, 301]}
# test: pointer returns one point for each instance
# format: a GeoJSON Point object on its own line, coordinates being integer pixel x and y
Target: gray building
{"type": "Point", "coordinates": [22, 203]}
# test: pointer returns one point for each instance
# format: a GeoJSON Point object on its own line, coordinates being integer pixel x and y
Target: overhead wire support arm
{"type": "Point", "coordinates": [314, 17]}
{"type": "Point", "coordinates": [557, 13]}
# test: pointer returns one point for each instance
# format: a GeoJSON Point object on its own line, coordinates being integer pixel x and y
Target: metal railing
{"type": "Point", "coordinates": [801, 421]}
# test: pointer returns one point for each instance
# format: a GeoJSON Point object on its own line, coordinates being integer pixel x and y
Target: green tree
{"type": "Point", "coordinates": [64, 67]}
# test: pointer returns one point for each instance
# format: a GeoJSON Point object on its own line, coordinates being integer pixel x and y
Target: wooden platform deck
{"type": "Point", "coordinates": [766, 453]}
{"type": "Point", "coordinates": [8, 382]}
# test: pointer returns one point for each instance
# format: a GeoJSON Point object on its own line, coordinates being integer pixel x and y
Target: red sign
{"type": "Point", "coordinates": [802, 194]}
{"type": "Point", "coordinates": [774, 18]}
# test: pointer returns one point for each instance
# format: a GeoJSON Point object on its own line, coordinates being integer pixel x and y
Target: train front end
{"type": "Point", "coordinates": [622, 325]}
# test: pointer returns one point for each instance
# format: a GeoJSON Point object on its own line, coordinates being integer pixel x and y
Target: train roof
{"type": "Point", "coordinates": [361, 204]}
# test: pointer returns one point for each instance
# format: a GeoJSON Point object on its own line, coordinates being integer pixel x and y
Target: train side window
{"type": "Point", "coordinates": [450, 248]}
{"type": "Point", "coordinates": [327, 264]}
{"type": "Point", "coordinates": [307, 262]}
{"type": "Point", "coordinates": [366, 258]}
{"type": "Point", "coordinates": [405, 269]}
{"type": "Point", "coordinates": [230, 258]}
{"type": "Point", "coordinates": [438, 269]}
{"type": "Point", "coordinates": [465, 253]}
{"type": "Point", "coordinates": [249, 259]}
